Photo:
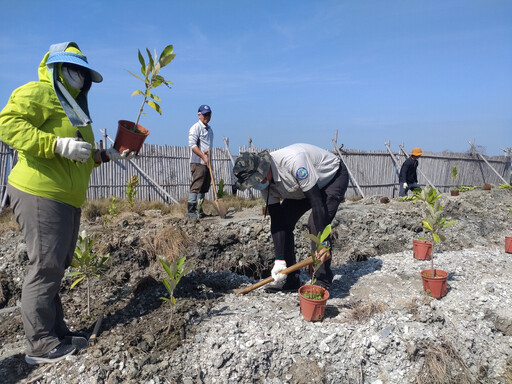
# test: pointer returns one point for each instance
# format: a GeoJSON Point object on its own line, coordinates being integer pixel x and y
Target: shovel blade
{"type": "Point", "coordinates": [220, 208]}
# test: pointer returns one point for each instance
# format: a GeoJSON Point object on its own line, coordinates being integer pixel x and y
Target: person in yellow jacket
{"type": "Point", "coordinates": [48, 123]}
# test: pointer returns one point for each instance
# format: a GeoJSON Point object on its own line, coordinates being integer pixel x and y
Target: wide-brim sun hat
{"type": "Point", "coordinates": [74, 58]}
{"type": "Point", "coordinates": [250, 168]}
{"type": "Point", "coordinates": [417, 152]}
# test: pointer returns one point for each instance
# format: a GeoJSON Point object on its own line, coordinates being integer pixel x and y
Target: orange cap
{"type": "Point", "coordinates": [417, 152]}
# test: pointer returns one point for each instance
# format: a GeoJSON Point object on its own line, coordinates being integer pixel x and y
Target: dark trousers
{"type": "Point", "coordinates": [292, 210]}
{"type": "Point", "coordinates": [50, 228]}
{"type": "Point", "coordinates": [410, 187]}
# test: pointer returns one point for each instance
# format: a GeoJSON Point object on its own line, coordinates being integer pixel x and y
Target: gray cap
{"type": "Point", "coordinates": [250, 168]}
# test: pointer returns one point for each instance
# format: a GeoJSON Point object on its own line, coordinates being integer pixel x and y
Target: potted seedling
{"type": "Point", "coordinates": [131, 135]}
{"type": "Point", "coordinates": [421, 248]}
{"type": "Point", "coordinates": [508, 241]}
{"type": "Point", "coordinates": [434, 280]}
{"type": "Point", "coordinates": [455, 190]}
{"type": "Point", "coordinates": [313, 298]}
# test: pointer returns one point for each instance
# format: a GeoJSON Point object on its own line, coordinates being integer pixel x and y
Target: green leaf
{"type": "Point", "coordinates": [155, 106]}
{"type": "Point", "coordinates": [76, 282]}
{"type": "Point", "coordinates": [166, 56]}
{"type": "Point", "coordinates": [326, 232]}
{"type": "Point", "coordinates": [133, 74]}
{"type": "Point", "coordinates": [137, 93]}
{"type": "Point", "coordinates": [436, 238]}
{"type": "Point", "coordinates": [312, 238]}
{"type": "Point", "coordinates": [164, 298]}
{"type": "Point", "coordinates": [151, 62]}
{"type": "Point", "coordinates": [155, 97]}
{"type": "Point", "coordinates": [427, 225]}
{"type": "Point", "coordinates": [142, 63]}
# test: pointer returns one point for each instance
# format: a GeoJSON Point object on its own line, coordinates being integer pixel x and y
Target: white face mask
{"type": "Point", "coordinates": [260, 186]}
{"type": "Point", "coordinates": [75, 78]}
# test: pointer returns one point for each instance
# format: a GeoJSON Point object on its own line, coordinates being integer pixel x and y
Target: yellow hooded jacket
{"type": "Point", "coordinates": [30, 123]}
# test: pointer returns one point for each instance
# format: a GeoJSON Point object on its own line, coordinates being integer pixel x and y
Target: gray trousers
{"type": "Point", "coordinates": [50, 229]}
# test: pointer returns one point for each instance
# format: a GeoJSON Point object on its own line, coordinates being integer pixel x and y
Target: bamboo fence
{"type": "Point", "coordinates": [374, 171]}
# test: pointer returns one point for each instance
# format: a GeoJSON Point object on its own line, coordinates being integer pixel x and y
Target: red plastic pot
{"type": "Point", "coordinates": [487, 187]}
{"type": "Point", "coordinates": [421, 249]}
{"type": "Point", "coordinates": [434, 286]}
{"type": "Point", "coordinates": [508, 244]}
{"type": "Point", "coordinates": [127, 139]}
{"type": "Point", "coordinates": [454, 192]}
{"type": "Point", "coordinates": [313, 310]}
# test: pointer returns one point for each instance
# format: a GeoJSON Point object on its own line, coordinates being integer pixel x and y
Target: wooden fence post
{"type": "Point", "coordinates": [150, 179]}
{"type": "Point", "coordinates": [352, 179]}
{"type": "Point", "coordinates": [395, 161]}
{"type": "Point", "coordinates": [484, 159]}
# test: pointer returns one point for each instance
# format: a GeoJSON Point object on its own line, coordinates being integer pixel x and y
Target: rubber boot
{"type": "Point", "coordinates": [192, 205]}
{"type": "Point", "coordinates": [200, 201]}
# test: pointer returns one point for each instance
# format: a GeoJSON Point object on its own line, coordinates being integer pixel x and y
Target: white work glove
{"type": "Point", "coordinates": [113, 154]}
{"type": "Point", "coordinates": [279, 278]}
{"type": "Point", "coordinates": [73, 149]}
{"type": "Point", "coordinates": [405, 185]}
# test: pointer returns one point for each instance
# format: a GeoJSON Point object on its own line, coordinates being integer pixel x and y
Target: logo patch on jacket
{"type": "Point", "coordinates": [301, 173]}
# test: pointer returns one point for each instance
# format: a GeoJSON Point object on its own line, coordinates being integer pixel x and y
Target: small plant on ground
{"type": "Point", "coordinates": [175, 271]}
{"type": "Point", "coordinates": [88, 264]}
{"type": "Point", "coordinates": [466, 188]}
{"type": "Point", "coordinates": [220, 190]}
{"type": "Point", "coordinates": [152, 79]}
{"type": "Point", "coordinates": [131, 189]}
{"type": "Point", "coordinates": [112, 212]}
{"type": "Point", "coordinates": [433, 220]}
{"type": "Point", "coordinates": [505, 186]}
{"type": "Point", "coordinates": [316, 254]}
{"type": "Point", "coordinates": [454, 176]}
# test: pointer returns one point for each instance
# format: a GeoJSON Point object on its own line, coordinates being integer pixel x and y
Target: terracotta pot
{"type": "Point", "coordinates": [508, 244]}
{"type": "Point", "coordinates": [434, 286]}
{"type": "Point", "coordinates": [127, 139]}
{"type": "Point", "coordinates": [313, 310]}
{"type": "Point", "coordinates": [384, 200]}
{"type": "Point", "coordinates": [421, 249]}
{"type": "Point", "coordinates": [454, 192]}
{"type": "Point", "coordinates": [487, 187]}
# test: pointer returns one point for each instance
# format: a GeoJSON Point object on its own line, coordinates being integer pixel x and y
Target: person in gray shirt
{"type": "Point", "coordinates": [200, 141]}
{"type": "Point", "coordinates": [294, 180]}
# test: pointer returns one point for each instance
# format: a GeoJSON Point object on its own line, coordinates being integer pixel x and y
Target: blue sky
{"type": "Point", "coordinates": [432, 74]}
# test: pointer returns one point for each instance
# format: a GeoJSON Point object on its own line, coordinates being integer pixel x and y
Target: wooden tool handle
{"type": "Point", "coordinates": [96, 329]}
{"type": "Point", "coordinates": [293, 268]}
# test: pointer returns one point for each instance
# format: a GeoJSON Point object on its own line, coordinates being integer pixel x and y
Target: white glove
{"type": "Point", "coordinates": [72, 149]}
{"type": "Point", "coordinates": [113, 154]}
{"type": "Point", "coordinates": [405, 185]}
{"type": "Point", "coordinates": [279, 278]}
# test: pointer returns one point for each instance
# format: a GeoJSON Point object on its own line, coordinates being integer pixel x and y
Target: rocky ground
{"type": "Point", "coordinates": [380, 327]}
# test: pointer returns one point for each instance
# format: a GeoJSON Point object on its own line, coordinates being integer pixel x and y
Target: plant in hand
{"type": "Point", "coordinates": [152, 79]}
{"type": "Point", "coordinates": [433, 220]}
{"type": "Point", "coordinates": [175, 271]}
{"type": "Point", "coordinates": [316, 255]}
{"type": "Point", "coordinates": [88, 264]}
{"type": "Point", "coordinates": [131, 189]}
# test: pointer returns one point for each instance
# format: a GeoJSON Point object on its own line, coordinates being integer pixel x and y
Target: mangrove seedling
{"type": "Point", "coordinates": [320, 248]}
{"type": "Point", "coordinates": [175, 271]}
{"type": "Point", "coordinates": [131, 189]}
{"type": "Point", "coordinates": [433, 221]}
{"type": "Point", "coordinates": [454, 176]}
{"type": "Point", "coordinates": [152, 79]}
{"type": "Point", "coordinates": [88, 264]}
